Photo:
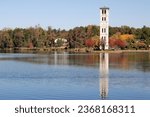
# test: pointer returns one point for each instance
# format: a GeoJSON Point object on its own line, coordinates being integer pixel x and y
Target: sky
{"type": "Point", "coordinates": [67, 14]}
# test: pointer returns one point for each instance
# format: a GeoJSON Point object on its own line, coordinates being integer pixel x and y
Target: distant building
{"type": "Point", "coordinates": [60, 39]}
{"type": "Point", "coordinates": [61, 42]}
{"type": "Point", "coordinates": [104, 28]}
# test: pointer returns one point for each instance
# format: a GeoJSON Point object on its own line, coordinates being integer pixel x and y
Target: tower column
{"type": "Point", "coordinates": [104, 28]}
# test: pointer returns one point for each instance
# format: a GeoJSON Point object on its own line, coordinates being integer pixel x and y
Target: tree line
{"type": "Point", "coordinates": [88, 36]}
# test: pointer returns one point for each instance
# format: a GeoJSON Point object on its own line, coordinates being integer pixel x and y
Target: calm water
{"type": "Point", "coordinates": [62, 76]}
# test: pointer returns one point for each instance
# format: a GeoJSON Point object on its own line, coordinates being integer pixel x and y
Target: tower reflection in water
{"type": "Point", "coordinates": [104, 75]}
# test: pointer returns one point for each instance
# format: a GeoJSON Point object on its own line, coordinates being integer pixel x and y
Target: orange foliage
{"type": "Point", "coordinates": [124, 37]}
{"type": "Point", "coordinates": [127, 37]}
{"type": "Point", "coordinates": [116, 36]}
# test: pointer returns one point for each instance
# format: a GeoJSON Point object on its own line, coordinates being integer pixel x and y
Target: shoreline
{"type": "Point", "coordinates": [74, 50]}
{"type": "Point", "coordinates": [121, 51]}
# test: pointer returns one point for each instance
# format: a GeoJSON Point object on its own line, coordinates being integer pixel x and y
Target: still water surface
{"type": "Point", "coordinates": [63, 76]}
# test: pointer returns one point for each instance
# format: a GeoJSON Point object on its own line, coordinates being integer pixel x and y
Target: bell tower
{"type": "Point", "coordinates": [104, 28]}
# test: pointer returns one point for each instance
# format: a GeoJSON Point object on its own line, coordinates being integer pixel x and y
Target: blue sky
{"type": "Point", "coordinates": [66, 14]}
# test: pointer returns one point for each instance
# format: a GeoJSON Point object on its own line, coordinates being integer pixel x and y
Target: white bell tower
{"type": "Point", "coordinates": [104, 28]}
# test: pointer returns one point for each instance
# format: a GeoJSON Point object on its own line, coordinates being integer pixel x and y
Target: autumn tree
{"type": "Point", "coordinates": [18, 38]}
{"type": "Point", "coordinates": [6, 39]}
{"type": "Point", "coordinates": [120, 43]}
{"type": "Point", "coordinates": [90, 43]}
{"type": "Point", "coordinates": [112, 43]}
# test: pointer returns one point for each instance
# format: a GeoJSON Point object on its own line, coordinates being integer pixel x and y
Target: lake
{"type": "Point", "coordinates": [75, 76]}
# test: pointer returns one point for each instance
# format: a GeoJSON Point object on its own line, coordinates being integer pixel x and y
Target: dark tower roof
{"type": "Point", "coordinates": [104, 8]}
